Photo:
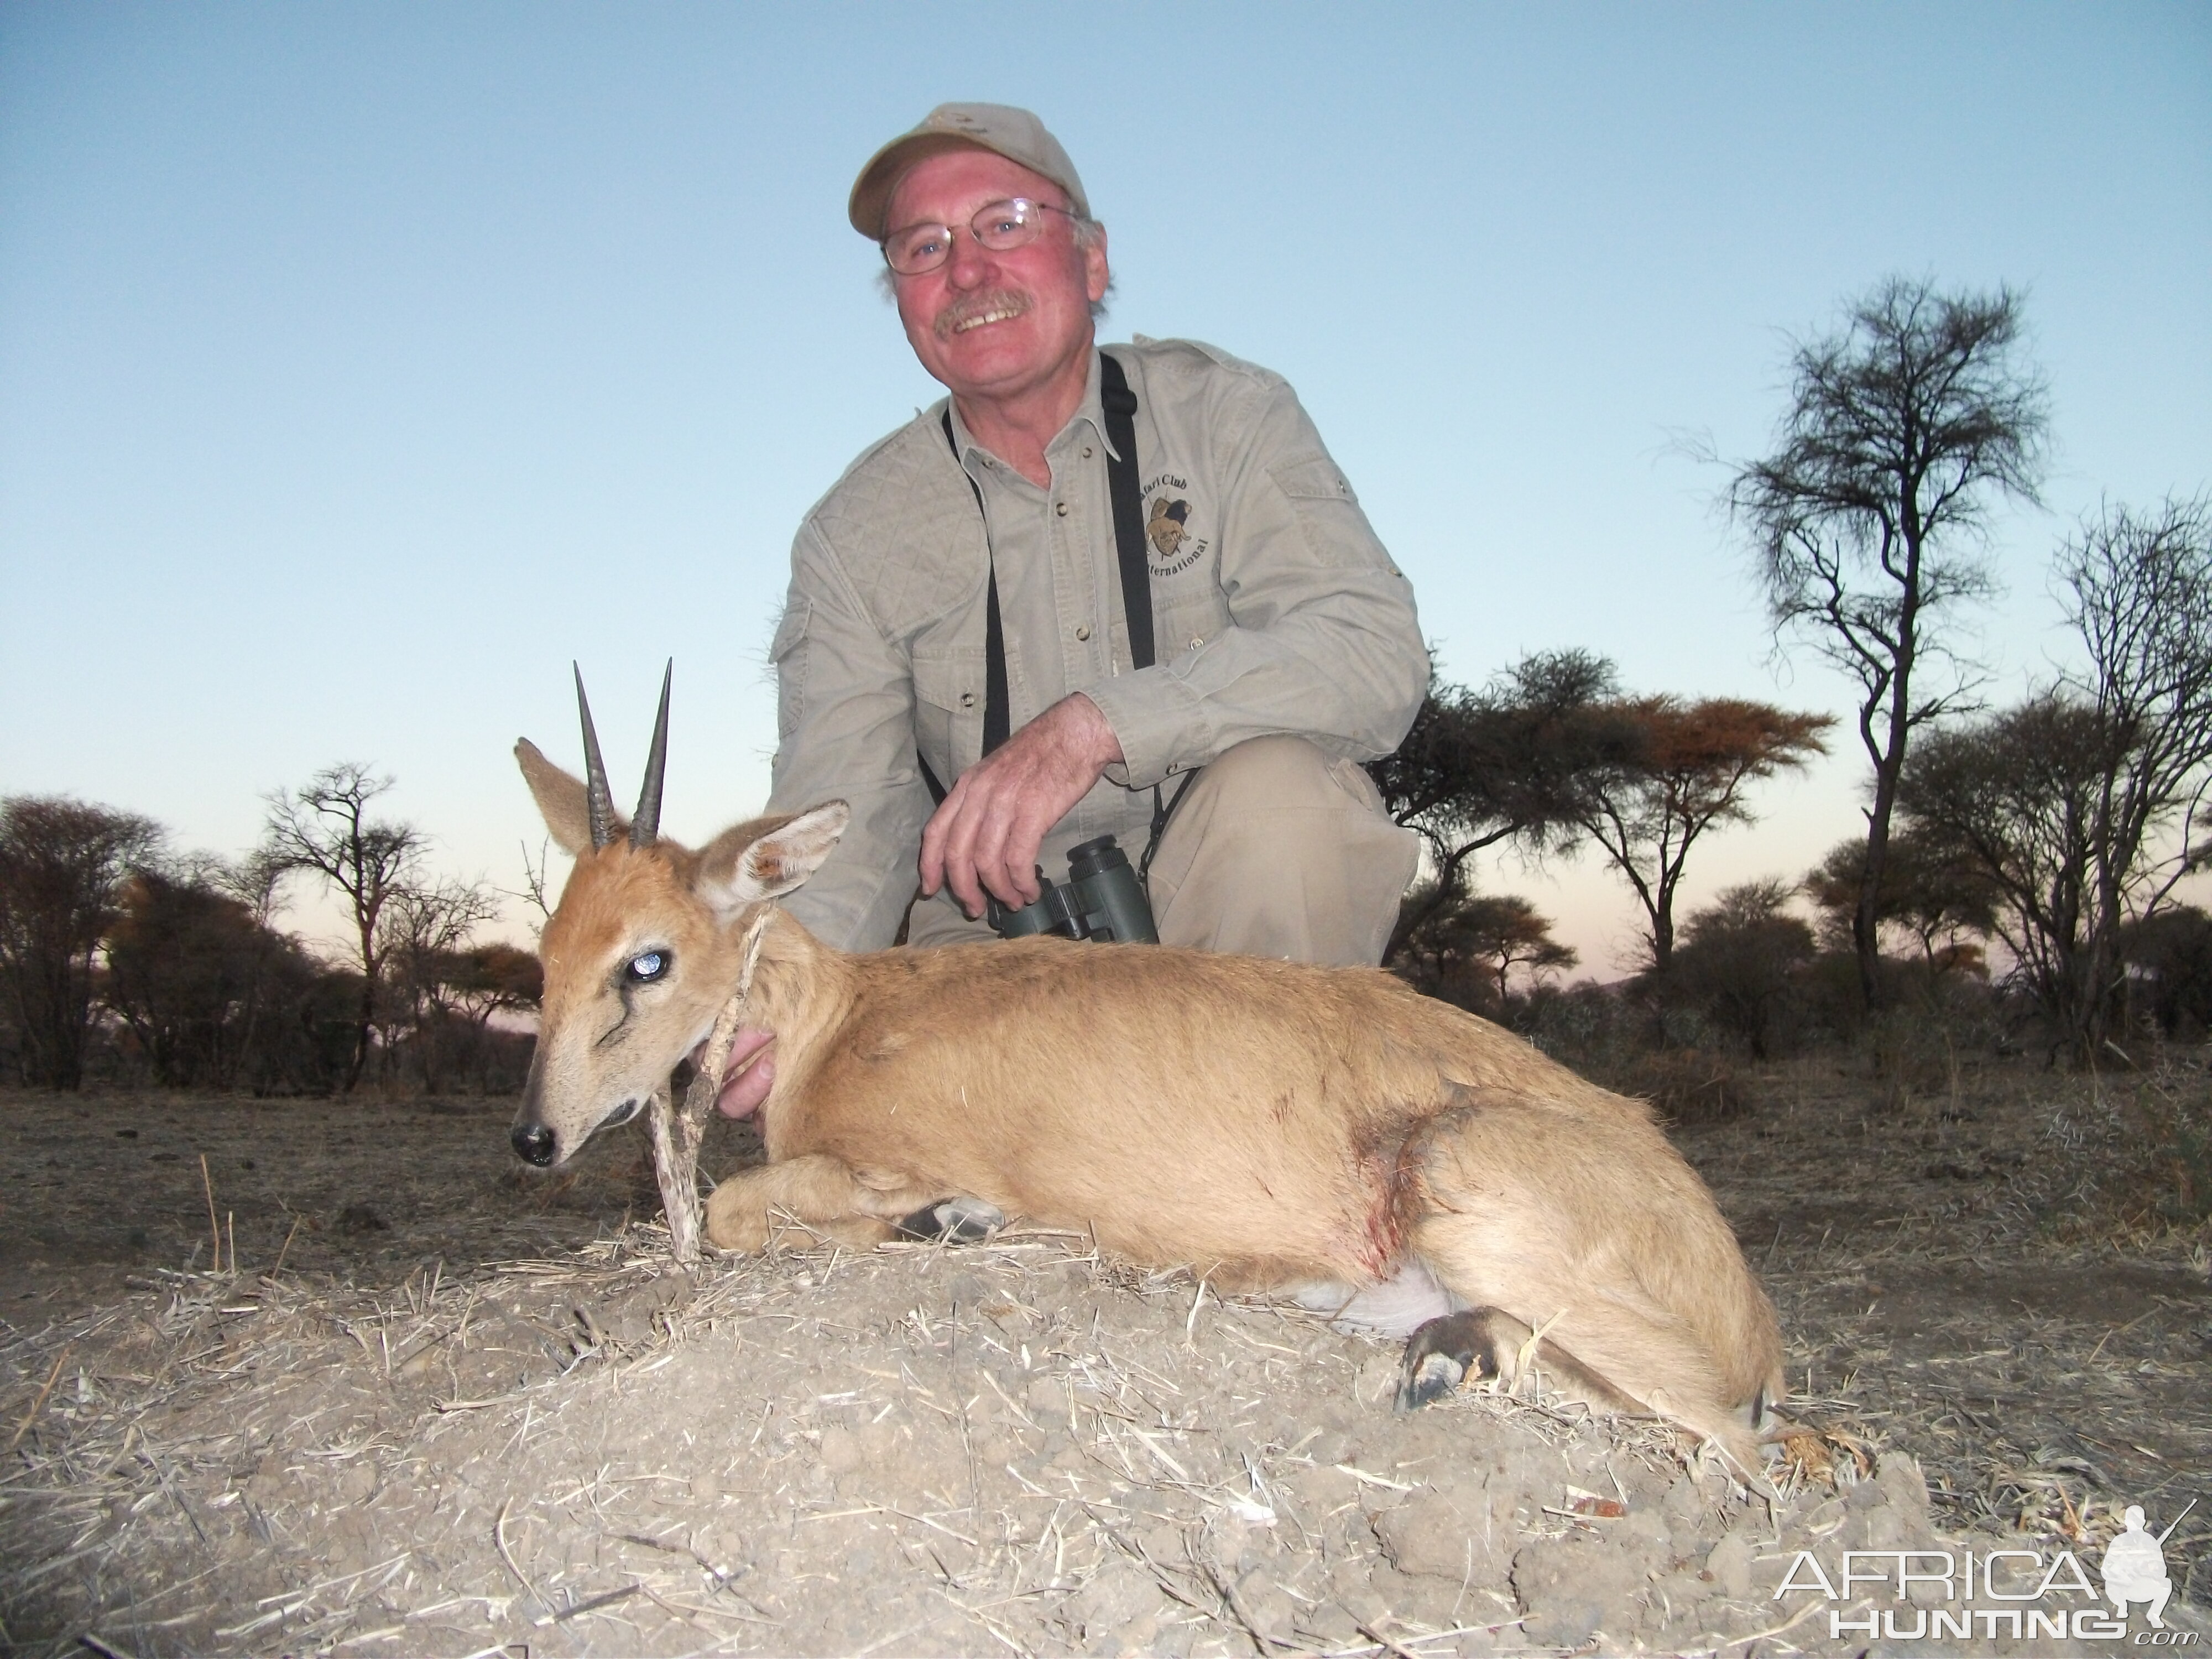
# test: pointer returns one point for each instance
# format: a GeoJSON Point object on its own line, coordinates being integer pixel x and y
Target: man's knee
{"type": "Point", "coordinates": [1282, 849]}
{"type": "Point", "coordinates": [938, 921]}
{"type": "Point", "coordinates": [1283, 773]}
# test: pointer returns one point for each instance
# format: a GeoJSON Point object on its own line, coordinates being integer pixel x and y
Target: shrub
{"type": "Point", "coordinates": [1739, 965]}
{"type": "Point", "coordinates": [2169, 964]}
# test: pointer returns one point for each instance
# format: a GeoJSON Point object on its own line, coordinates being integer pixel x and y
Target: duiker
{"type": "Point", "coordinates": [1324, 1133]}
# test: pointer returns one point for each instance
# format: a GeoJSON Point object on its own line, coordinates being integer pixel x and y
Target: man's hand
{"type": "Point", "coordinates": [987, 832]}
{"type": "Point", "coordinates": [748, 1074]}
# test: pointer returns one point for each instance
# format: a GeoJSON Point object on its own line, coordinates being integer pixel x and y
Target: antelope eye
{"type": "Point", "coordinates": [647, 966]}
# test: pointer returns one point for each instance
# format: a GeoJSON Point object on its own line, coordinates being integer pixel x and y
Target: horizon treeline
{"type": "Point", "coordinates": [2059, 827]}
{"type": "Point", "coordinates": [2045, 841]}
{"type": "Point", "coordinates": [123, 960]}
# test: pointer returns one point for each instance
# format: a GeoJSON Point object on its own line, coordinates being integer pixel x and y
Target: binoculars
{"type": "Point", "coordinates": [1103, 900]}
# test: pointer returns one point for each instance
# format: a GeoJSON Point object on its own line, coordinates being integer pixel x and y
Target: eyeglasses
{"type": "Point", "coordinates": [1000, 226]}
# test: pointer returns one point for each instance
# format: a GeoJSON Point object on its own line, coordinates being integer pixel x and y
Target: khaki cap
{"type": "Point", "coordinates": [999, 128]}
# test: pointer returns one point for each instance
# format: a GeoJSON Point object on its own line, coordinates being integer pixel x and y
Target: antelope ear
{"type": "Point", "coordinates": [560, 799]}
{"type": "Point", "coordinates": [766, 858]}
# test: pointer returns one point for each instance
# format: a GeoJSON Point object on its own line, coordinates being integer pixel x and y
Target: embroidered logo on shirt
{"type": "Point", "coordinates": [1168, 527]}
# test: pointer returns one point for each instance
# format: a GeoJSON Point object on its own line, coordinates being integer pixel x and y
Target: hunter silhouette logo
{"type": "Point", "coordinates": [2133, 1567]}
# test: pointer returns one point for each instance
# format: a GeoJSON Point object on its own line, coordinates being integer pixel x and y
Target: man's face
{"type": "Point", "coordinates": [994, 325]}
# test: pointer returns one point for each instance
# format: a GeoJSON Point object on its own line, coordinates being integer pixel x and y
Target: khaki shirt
{"type": "Point", "coordinates": [1275, 610]}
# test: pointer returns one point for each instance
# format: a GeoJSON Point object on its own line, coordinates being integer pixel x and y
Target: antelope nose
{"type": "Point", "coordinates": [532, 1143]}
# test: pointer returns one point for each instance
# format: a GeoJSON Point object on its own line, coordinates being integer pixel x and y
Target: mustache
{"type": "Point", "coordinates": [970, 306]}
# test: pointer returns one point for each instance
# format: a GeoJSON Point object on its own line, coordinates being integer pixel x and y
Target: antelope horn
{"type": "Point", "coordinates": [598, 800]}
{"type": "Point", "coordinates": [645, 827]}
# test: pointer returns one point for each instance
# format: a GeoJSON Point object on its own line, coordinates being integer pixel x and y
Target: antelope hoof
{"type": "Point", "coordinates": [1440, 1355]}
{"type": "Point", "coordinates": [731, 1223]}
{"type": "Point", "coordinates": [955, 1220]}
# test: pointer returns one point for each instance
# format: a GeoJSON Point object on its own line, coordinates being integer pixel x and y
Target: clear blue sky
{"type": "Point", "coordinates": [361, 364]}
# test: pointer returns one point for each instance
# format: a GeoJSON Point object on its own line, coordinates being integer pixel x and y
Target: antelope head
{"type": "Point", "coordinates": [647, 943]}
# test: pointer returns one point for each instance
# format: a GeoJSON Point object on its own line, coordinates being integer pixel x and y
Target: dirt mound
{"type": "Point", "coordinates": [526, 1447]}
{"type": "Point", "coordinates": [919, 1450]}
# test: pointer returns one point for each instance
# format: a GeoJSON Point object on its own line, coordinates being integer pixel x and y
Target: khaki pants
{"type": "Point", "coordinates": [1276, 849]}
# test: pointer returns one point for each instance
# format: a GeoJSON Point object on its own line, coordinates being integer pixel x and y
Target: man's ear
{"type": "Point", "coordinates": [1097, 275]}
{"type": "Point", "coordinates": [561, 798]}
{"type": "Point", "coordinates": [766, 858]}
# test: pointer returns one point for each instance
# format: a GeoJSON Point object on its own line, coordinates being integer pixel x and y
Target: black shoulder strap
{"type": "Point", "coordinates": [1119, 406]}
{"type": "Point", "coordinates": [997, 704]}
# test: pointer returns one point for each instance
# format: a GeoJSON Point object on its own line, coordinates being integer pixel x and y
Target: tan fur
{"type": "Point", "coordinates": [1268, 1123]}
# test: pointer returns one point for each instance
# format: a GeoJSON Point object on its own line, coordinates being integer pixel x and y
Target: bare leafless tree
{"type": "Point", "coordinates": [423, 929]}
{"type": "Point", "coordinates": [536, 873]}
{"type": "Point", "coordinates": [324, 827]}
{"type": "Point", "coordinates": [2085, 806]}
{"type": "Point", "coordinates": [2139, 589]}
{"type": "Point", "coordinates": [1905, 426]}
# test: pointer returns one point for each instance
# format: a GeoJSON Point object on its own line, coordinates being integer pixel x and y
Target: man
{"type": "Point", "coordinates": [1287, 649]}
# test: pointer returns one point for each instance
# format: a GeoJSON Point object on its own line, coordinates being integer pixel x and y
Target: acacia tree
{"type": "Point", "coordinates": [2014, 792]}
{"type": "Point", "coordinates": [1511, 762]}
{"type": "Point", "coordinates": [253, 882]}
{"type": "Point", "coordinates": [1932, 889]}
{"type": "Point", "coordinates": [1466, 950]}
{"type": "Point", "coordinates": [1504, 931]}
{"type": "Point", "coordinates": [482, 982]}
{"type": "Point", "coordinates": [63, 865]}
{"type": "Point", "coordinates": [203, 982]}
{"type": "Point", "coordinates": [1695, 764]}
{"type": "Point", "coordinates": [1905, 426]}
{"type": "Point", "coordinates": [183, 965]}
{"type": "Point", "coordinates": [325, 828]}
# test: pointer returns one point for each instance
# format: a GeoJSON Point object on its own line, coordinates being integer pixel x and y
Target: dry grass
{"type": "Point", "coordinates": [1972, 1271]}
{"type": "Point", "coordinates": [456, 1432]}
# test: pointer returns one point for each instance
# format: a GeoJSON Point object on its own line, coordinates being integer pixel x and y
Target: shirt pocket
{"type": "Point", "coordinates": [1185, 620]}
{"type": "Point", "coordinates": [1328, 511]}
{"type": "Point", "coordinates": [948, 710]}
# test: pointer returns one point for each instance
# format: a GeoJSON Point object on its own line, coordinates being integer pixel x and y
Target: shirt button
{"type": "Point", "coordinates": [1197, 639]}
{"type": "Point", "coordinates": [1060, 507]}
{"type": "Point", "coordinates": [1083, 632]}
{"type": "Point", "coordinates": [1086, 451]}
{"type": "Point", "coordinates": [967, 699]}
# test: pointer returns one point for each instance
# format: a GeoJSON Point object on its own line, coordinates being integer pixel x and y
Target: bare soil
{"type": "Point", "coordinates": [471, 1413]}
